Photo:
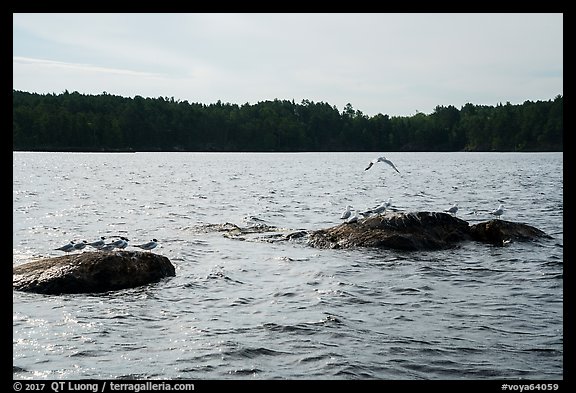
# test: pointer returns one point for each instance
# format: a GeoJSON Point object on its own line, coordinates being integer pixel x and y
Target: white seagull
{"type": "Point", "coordinates": [80, 246]}
{"type": "Point", "coordinates": [120, 243]}
{"type": "Point", "coordinates": [380, 208]}
{"type": "Point", "coordinates": [107, 247]}
{"type": "Point", "coordinates": [98, 243]}
{"type": "Point", "coordinates": [377, 210]}
{"type": "Point", "coordinates": [389, 202]}
{"type": "Point", "coordinates": [123, 244]}
{"type": "Point", "coordinates": [67, 247]}
{"type": "Point", "coordinates": [453, 209]}
{"type": "Point", "coordinates": [148, 246]}
{"type": "Point", "coordinates": [346, 213]}
{"type": "Point", "coordinates": [352, 219]}
{"type": "Point", "coordinates": [498, 212]}
{"type": "Point", "coordinates": [382, 159]}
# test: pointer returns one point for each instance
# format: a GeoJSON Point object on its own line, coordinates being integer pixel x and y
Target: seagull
{"type": "Point", "coordinates": [107, 247]}
{"type": "Point", "coordinates": [67, 247]}
{"type": "Point", "coordinates": [98, 243]}
{"type": "Point", "coordinates": [352, 219]}
{"type": "Point", "coordinates": [389, 202]}
{"type": "Point", "coordinates": [453, 209]}
{"type": "Point", "coordinates": [377, 210]}
{"type": "Point", "coordinates": [80, 246]}
{"type": "Point", "coordinates": [380, 208]}
{"type": "Point", "coordinates": [346, 213]}
{"type": "Point", "coordinates": [123, 244]}
{"type": "Point", "coordinates": [120, 243]}
{"type": "Point", "coordinates": [382, 159]}
{"type": "Point", "coordinates": [498, 212]}
{"type": "Point", "coordinates": [148, 246]}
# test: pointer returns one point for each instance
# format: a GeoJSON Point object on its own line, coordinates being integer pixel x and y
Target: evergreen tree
{"type": "Point", "coordinates": [105, 122]}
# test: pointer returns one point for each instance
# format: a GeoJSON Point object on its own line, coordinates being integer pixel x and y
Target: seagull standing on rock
{"type": "Point", "coordinates": [453, 209]}
{"type": "Point", "coordinates": [346, 213]}
{"type": "Point", "coordinates": [377, 210]}
{"type": "Point", "coordinates": [498, 212]}
{"type": "Point", "coordinates": [67, 247]}
{"type": "Point", "coordinates": [107, 247]}
{"type": "Point", "coordinates": [80, 246]}
{"type": "Point", "coordinates": [353, 218]}
{"type": "Point", "coordinates": [121, 243]}
{"type": "Point", "coordinates": [148, 246]}
{"type": "Point", "coordinates": [389, 202]}
{"type": "Point", "coordinates": [98, 244]}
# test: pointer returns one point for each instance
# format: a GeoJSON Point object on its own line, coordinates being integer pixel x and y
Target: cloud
{"type": "Point", "coordinates": [43, 66]}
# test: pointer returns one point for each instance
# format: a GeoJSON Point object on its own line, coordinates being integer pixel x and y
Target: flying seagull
{"type": "Point", "coordinates": [382, 159]}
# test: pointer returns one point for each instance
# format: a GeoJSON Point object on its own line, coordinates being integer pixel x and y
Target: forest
{"type": "Point", "coordinates": [105, 122]}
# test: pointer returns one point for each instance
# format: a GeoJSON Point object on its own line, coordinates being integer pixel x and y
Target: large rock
{"type": "Point", "coordinates": [419, 231]}
{"type": "Point", "coordinates": [91, 272]}
{"type": "Point", "coordinates": [499, 232]}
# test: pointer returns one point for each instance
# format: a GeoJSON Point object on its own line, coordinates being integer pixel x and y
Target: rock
{"type": "Point", "coordinates": [411, 231]}
{"type": "Point", "coordinates": [89, 272]}
{"type": "Point", "coordinates": [419, 231]}
{"type": "Point", "coordinates": [254, 232]}
{"type": "Point", "coordinates": [499, 231]}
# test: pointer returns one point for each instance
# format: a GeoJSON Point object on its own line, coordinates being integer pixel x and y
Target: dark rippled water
{"type": "Point", "coordinates": [261, 310]}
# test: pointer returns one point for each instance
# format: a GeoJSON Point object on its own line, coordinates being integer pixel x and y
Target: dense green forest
{"type": "Point", "coordinates": [105, 122]}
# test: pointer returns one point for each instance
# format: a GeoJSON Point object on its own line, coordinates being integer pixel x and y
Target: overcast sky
{"type": "Point", "coordinates": [395, 64]}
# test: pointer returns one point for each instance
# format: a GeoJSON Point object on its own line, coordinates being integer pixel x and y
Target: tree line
{"type": "Point", "coordinates": [105, 122]}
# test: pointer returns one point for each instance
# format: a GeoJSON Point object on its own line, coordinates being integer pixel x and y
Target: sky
{"type": "Point", "coordinates": [397, 64]}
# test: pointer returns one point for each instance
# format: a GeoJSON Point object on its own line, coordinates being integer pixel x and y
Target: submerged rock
{"type": "Point", "coordinates": [419, 231]}
{"type": "Point", "coordinates": [91, 272]}
{"type": "Point", "coordinates": [253, 232]}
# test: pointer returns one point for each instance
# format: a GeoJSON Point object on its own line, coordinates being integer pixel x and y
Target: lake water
{"type": "Point", "coordinates": [282, 310]}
